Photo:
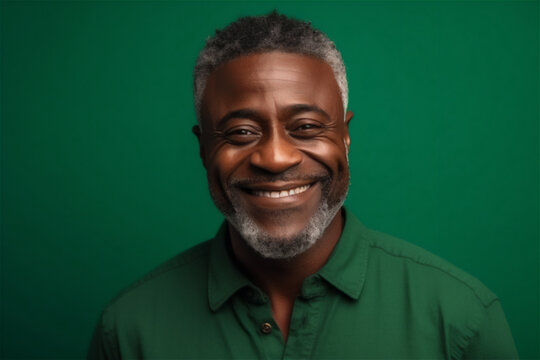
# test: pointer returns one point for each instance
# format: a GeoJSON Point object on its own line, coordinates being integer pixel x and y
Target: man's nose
{"type": "Point", "coordinates": [276, 154]}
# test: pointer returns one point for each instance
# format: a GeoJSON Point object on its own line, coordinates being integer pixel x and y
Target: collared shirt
{"type": "Point", "coordinates": [377, 297]}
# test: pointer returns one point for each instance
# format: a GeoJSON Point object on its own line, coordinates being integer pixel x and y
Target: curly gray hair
{"type": "Point", "coordinates": [271, 32]}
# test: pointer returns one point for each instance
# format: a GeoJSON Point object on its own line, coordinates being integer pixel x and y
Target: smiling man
{"type": "Point", "coordinates": [291, 273]}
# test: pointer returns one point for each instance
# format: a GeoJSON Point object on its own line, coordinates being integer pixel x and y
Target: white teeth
{"type": "Point", "coordinates": [282, 193]}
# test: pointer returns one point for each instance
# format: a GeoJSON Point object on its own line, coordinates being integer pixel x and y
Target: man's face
{"type": "Point", "coordinates": [274, 143]}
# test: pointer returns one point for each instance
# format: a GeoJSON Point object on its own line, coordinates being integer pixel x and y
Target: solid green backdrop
{"type": "Point", "coordinates": [101, 179]}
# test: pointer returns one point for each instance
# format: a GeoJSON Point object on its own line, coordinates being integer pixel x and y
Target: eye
{"type": "Point", "coordinates": [241, 132]}
{"type": "Point", "coordinates": [241, 135]}
{"type": "Point", "coordinates": [306, 129]}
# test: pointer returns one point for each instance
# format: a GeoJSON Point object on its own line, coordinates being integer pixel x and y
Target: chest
{"type": "Point", "coordinates": [330, 326]}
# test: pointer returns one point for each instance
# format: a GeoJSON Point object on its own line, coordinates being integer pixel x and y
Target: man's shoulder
{"type": "Point", "coordinates": [175, 293]}
{"type": "Point", "coordinates": [419, 265]}
{"type": "Point", "coordinates": [179, 274]}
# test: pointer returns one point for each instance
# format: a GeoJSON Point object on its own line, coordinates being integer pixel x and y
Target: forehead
{"type": "Point", "coordinates": [271, 80]}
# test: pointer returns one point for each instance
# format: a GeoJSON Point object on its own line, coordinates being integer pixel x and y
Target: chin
{"type": "Point", "coordinates": [284, 245]}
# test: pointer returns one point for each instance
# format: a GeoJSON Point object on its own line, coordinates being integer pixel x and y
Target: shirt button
{"type": "Point", "coordinates": [266, 328]}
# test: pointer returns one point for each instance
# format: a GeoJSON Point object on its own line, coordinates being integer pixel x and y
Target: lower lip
{"type": "Point", "coordinates": [281, 202]}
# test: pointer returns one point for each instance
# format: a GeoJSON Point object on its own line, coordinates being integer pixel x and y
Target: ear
{"type": "Point", "coordinates": [347, 138]}
{"type": "Point", "coordinates": [196, 129]}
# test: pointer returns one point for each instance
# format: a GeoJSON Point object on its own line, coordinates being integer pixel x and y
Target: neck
{"type": "Point", "coordinates": [280, 279]}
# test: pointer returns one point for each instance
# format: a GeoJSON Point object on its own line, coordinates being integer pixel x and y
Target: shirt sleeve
{"type": "Point", "coordinates": [493, 339]}
{"type": "Point", "coordinates": [103, 346]}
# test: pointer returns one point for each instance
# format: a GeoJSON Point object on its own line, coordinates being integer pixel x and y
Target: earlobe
{"type": "Point", "coordinates": [196, 129]}
{"type": "Point", "coordinates": [347, 138]}
{"type": "Point", "coordinates": [348, 117]}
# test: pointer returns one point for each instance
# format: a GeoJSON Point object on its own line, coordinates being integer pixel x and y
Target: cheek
{"type": "Point", "coordinates": [330, 154]}
{"type": "Point", "coordinates": [225, 162]}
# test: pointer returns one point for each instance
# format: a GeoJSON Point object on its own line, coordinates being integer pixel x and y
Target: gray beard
{"type": "Point", "coordinates": [281, 247]}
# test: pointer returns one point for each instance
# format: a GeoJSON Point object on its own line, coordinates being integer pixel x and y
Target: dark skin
{"type": "Point", "coordinates": [275, 122]}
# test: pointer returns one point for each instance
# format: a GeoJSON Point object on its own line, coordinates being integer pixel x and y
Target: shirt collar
{"type": "Point", "coordinates": [345, 269]}
{"type": "Point", "coordinates": [224, 277]}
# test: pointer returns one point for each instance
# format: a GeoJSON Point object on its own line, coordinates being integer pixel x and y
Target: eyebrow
{"type": "Point", "coordinates": [301, 108]}
{"type": "Point", "coordinates": [290, 110]}
{"type": "Point", "coordinates": [241, 113]}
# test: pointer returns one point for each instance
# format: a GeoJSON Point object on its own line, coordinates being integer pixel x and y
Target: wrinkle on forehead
{"type": "Point", "coordinates": [275, 78]}
{"type": "Point", "coordinates": [274, 66]}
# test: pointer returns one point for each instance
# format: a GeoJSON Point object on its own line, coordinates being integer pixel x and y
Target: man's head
{"type": "Point", "coordinates": [273, 137]}
{"type": "Point", "coordinates": [272, 32]}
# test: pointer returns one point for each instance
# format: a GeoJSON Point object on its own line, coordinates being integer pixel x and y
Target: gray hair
{"type": "Point", "coordinates": [257, 34]}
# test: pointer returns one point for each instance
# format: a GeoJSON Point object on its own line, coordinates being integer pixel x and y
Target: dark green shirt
{"type": "Point", "coordinates": [377, 297]}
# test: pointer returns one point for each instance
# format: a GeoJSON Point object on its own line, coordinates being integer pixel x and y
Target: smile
{"type": "Point", "coordinates": [281, 193]}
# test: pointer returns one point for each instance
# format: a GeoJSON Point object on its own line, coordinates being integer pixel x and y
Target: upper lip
{"type": "Point", "coordinates": [276, 186]}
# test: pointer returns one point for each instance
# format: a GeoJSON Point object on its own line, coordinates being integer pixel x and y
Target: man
{"type": "Point", "coordinates": [291, 273]}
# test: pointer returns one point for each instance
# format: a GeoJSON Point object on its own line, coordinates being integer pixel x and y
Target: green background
{"type": "Point", "coordinates": [101, 179]}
